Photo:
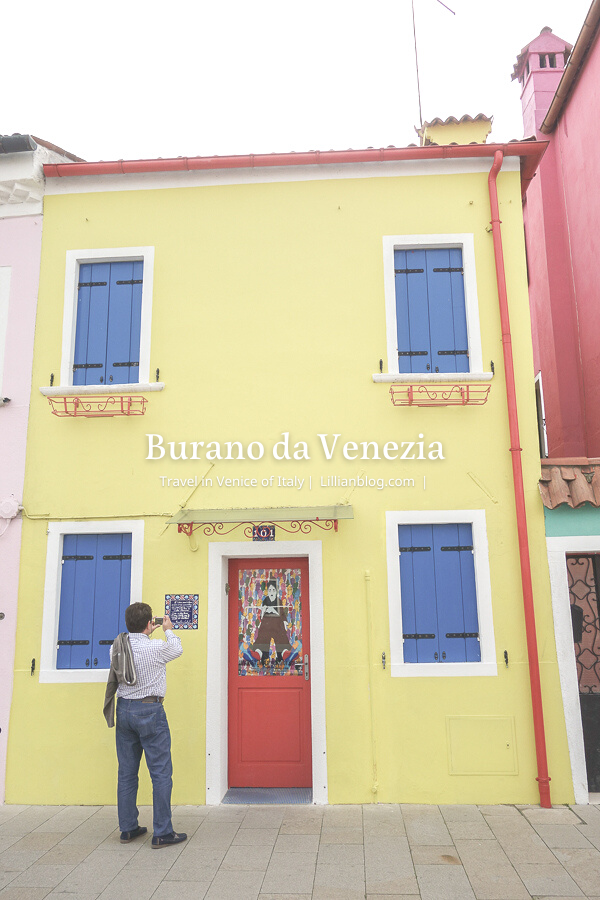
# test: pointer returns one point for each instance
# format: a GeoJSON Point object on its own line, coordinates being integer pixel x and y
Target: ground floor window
{"type": "Point", "coordinates": [95, 590]}
{"type": "Point", "coordinates": [439, 593]}
{"type": "Point", "coordinates": [93, 572]}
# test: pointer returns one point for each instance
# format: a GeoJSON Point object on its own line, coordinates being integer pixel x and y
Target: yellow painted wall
{"type": "Point", "coordinates": [268, 316]}
{"type": "Point", "coordinates": [458, 132]}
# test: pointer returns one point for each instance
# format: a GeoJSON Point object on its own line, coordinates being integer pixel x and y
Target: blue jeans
{"type": "Point", "coordinates": [144, 727]}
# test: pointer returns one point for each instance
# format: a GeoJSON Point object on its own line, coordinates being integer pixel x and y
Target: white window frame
{"type": "Point", "coordinates": [483, 586]}
{"type": "Point", "coordinates": [5, 273]}
{"type": "Point", "coordinates": [464, 242]}
{"type": "Point", "coordinates": [49, 674]}
{"type": "Point", "coordinates": [77, 258]}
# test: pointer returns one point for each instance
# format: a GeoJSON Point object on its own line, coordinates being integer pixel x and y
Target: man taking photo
{"type": "Point", "coordinates": [142, 723]}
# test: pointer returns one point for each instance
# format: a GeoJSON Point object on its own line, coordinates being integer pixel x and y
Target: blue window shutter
{"type": "Point", "coordinates": [467, 572]}
{"type": "Point", "coordinates": [111, 594]}
{"type": "Point", "coordinates": [82, 327]}
{"type": "Point", "coordinates": [407, 591]}
{"type": "Point", "coordinates": [430, 311]}
{"type": "Point", "coordinates": [107, 335]}
{"type": "Point", "coordinates": [448, 315]}
{"type": "Point", "coordinates": [95, 592]}
{"type": "Point", "coordinates": [459, 308]}
{"type": "Point", "coordinates": [437, 582]}
{"type": "Point", "coordinates": [67, 597]}
{"type": "Point", "coordinates": [136, 322]}
{"type": "Point", "coordinates": [417, 586]}
{"type": "Point", "coordinates": [92, 318]}
{"type": "Point", "coordinates": [123, 343]}
{"type": "Point", "coordinates": [412, 311]}
{"type": "Point", "coordinates": [402, 320]}
{"type": "Point", "coordinates": [76, 600]}
{"type": "Point", "coordinates": [449, 592]}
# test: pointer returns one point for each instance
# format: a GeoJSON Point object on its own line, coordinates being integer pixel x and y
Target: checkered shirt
{"type": "Point", "coordinates": [150, 659]}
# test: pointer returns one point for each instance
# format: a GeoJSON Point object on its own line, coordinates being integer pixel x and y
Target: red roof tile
{"type": "Point", "coordinates": [570, 481]}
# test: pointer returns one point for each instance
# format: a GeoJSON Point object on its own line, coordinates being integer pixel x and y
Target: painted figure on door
{"type": "Point", "coordinates": [270, 622]}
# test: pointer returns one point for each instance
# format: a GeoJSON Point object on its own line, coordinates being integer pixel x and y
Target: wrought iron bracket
{"type": "Point", "coordinates": [419, 394]}
{"type": "Point", "coordinates": [101, 406]}
{"type": "Point", "coordinates": [295, 526]}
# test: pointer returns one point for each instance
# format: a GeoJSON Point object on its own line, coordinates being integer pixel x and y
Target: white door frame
{"type": "Point", "coordinates": [558, 547]}
{"type": "Point", "coordinates": [219, 554]}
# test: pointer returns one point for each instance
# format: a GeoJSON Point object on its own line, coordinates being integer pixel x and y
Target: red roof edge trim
{"type": "Point", "coordinates": [532, 150]}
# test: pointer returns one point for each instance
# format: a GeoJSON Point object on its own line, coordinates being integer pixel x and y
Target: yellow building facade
{"type": "Point", "coordinates": [270, 389]}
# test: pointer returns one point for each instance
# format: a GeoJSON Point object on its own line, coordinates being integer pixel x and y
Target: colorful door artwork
{"type": "Point", "coordinates": [583, 574]}
{"type": "Point", "coordinates": [269, 674]}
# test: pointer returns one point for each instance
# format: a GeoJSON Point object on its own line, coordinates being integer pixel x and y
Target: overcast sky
{"type": "Point", "coordinates": [124, 79]}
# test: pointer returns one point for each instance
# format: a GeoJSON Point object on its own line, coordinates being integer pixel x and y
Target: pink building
{"type": "Point", "coordinates": [21, 196]}
{"type": "Point", "coordinates": [561, 98]}
{"type": "Point", "coordinates": [560, 94]}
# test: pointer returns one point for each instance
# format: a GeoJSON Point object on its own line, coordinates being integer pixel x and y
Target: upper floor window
{"type": "Point", "coordinates": [432, 311]}
{"type": "Point", "coordinates": [431, 320]}
{"type": "Point", "coordinates": [107, 317]}
{"type": "Point", "coordinates": [107, 331]}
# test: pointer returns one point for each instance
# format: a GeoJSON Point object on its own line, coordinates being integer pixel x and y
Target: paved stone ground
{"type": "Point", "coordinates": [379, 852]}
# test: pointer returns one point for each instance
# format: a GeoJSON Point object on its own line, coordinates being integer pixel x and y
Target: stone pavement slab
{"type": "Point", "coordinates": [374, 852]}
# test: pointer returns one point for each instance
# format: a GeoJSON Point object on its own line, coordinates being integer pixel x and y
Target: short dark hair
{"type": "Point", "coordinates": [137, 616]}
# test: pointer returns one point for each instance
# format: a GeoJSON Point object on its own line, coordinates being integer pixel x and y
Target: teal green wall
{"type": "Point", "coordinates": [564, 521]}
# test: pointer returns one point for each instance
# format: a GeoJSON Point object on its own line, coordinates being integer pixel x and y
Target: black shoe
{"type": "Point", "coordinates": [168, 839]}
{"type": "Point", "coordinates": [127, 836]}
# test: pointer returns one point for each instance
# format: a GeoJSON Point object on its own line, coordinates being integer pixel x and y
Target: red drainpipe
{"type": "Point", "coordinates": [543, 778]}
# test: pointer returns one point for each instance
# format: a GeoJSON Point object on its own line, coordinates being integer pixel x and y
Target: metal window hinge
{"type": "Point", "coordinates": [383, 659]}
{"type": "Point", "coordinates": [227, 588]}
{"type": "Point", "coordinates": [459, 547]}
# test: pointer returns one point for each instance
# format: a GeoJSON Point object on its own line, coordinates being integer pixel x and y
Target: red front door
{"type": "Point", "coordinates": [269, 669]}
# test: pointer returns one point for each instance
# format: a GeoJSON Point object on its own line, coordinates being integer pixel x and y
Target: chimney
{"type": "Point", "coordinates": [466, 130]}
{"type": "Point", "coordinates": [539, 68]}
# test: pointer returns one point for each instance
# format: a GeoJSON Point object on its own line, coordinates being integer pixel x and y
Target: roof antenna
{"type": "Point", "coordinates": [417, 58]}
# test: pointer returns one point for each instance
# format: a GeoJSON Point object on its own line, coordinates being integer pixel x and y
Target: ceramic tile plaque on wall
{"type": "Point", "coordinates": [182, 609]}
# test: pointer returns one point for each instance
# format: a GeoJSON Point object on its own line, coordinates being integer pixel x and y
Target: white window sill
{"type": "Point", "coordinates": [431, 377]}
{"type": "Point", "coordinates": [80, 390]}
{"type": "Point", "coordinates": [73, 676]}
{"type": "Point", "coordinates": [443, 670]}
